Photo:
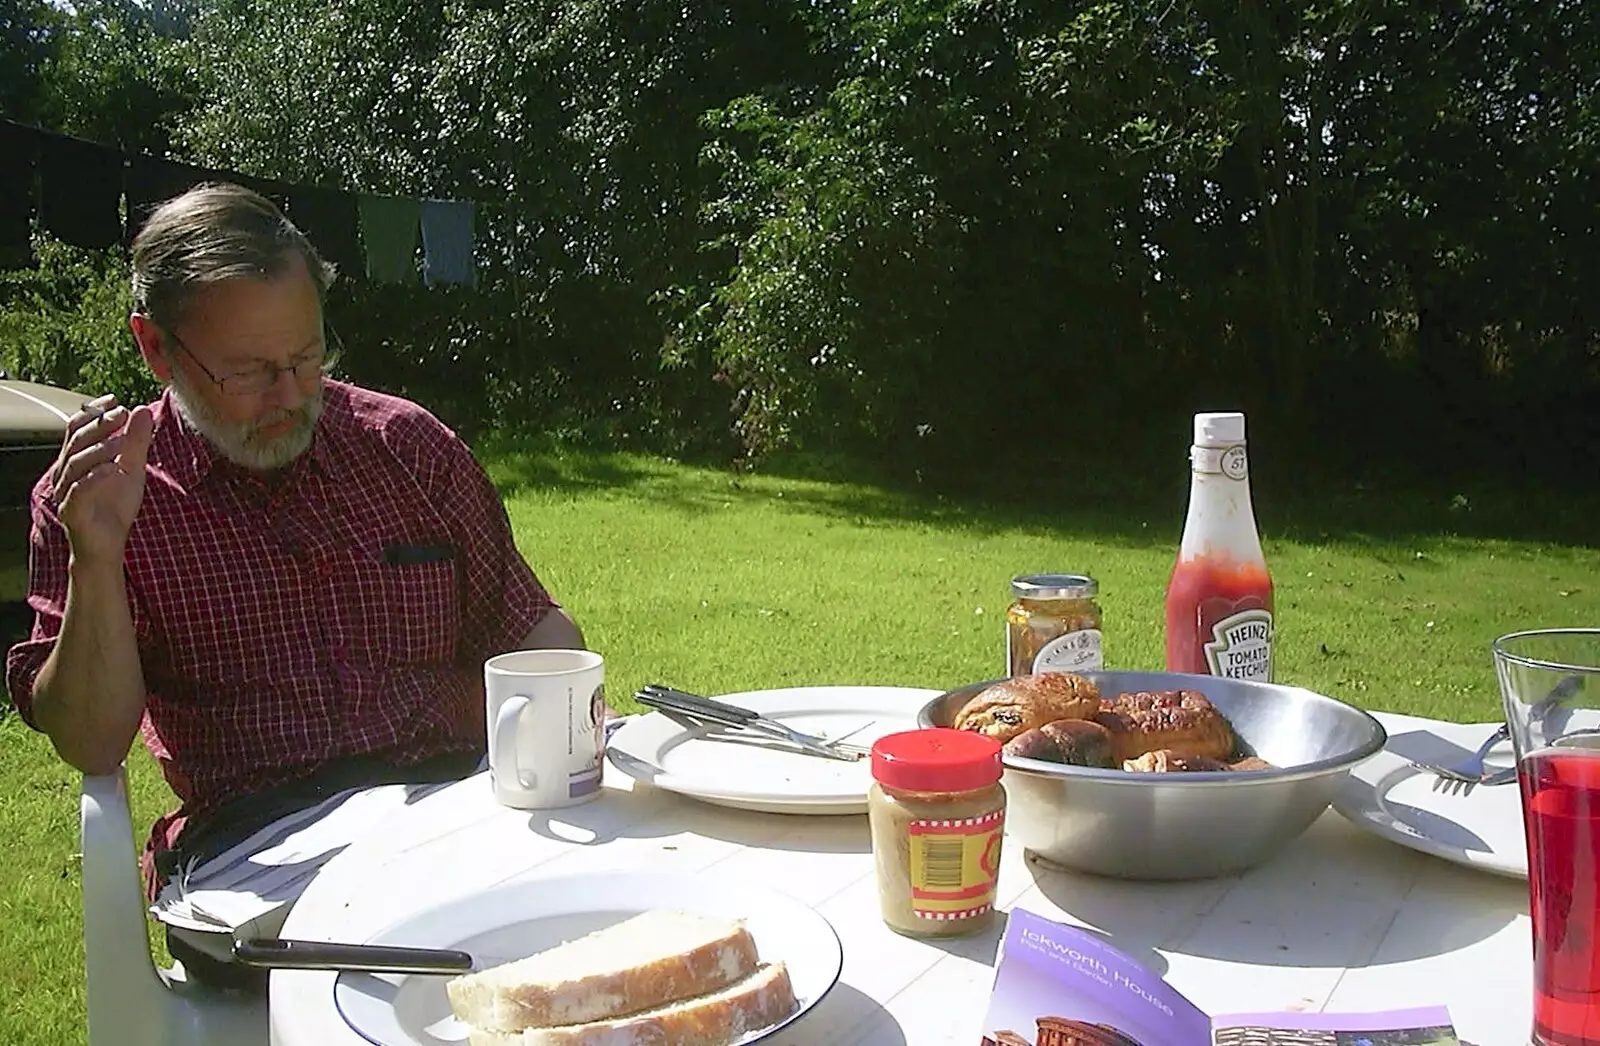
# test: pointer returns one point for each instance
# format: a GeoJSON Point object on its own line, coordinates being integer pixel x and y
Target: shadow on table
{"type": "Point", "coordinates": [1279, 914]}
{"type": "Point", "coordinates": [1423, 747]}
{"type": "Point", "coordinates": [654, 813]}
{"type": "Point", "coordinates": [985, 947]}
{"type": "Point", "coordinates": [848, 1015]}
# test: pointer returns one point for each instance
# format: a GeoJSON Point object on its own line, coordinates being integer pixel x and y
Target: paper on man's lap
{"type": "Point", "coordinates": [248, 888]}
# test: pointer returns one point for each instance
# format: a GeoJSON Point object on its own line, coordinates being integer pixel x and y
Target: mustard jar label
{"type": "Point", "coordinates": [954, 865]}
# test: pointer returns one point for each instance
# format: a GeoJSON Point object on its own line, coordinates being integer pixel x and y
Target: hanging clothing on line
{"type": "Point", "coordinates": [330, 221]}
{"type": "Point", "coordinates": [19, 154]}
{"type": "Point", "coordinates": [76, 188]}
{"type": "Point", "coordinates": [80, 191]}
{"type": "Point", "coordinates": [447, 242]}
{"type": "Point", "coordinates": [389, 227]}
{"type": "Point", "coordinates": [151, 181]}
{"type": "Point", "coordinates": [277, 192]}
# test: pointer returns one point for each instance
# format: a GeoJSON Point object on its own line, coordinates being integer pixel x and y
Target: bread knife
{"type": "Point", "coordinates": [279, 953]}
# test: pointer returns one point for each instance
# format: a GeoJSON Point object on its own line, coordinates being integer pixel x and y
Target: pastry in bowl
{"type": "Point", "coordinates": [1073, 742]}
{"type": "Point", "coordinates": [1059, 717]}
{"type": "Point", "coordinates": [1166, 761]}
{"type": "Point", "coordinates": [1183, 722]}
{"type": "Point", "coordinates": [1013, 706]}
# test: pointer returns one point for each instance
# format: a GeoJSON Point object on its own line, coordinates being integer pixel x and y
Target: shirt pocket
{"type": "Point", "coordinates": [407, 612]}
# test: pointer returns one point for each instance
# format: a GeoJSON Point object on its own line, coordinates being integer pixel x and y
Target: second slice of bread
{"type": "Point", "coordinates": [653, 959]}
{"type": "Point", "coordinates": [759, 1001]}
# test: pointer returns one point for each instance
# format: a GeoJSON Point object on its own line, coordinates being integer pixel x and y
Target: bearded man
{"type": "Point", "coordinates": [287, 584]}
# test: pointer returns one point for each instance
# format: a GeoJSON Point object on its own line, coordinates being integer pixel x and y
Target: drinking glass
{"type": "Point", "coordinates": [1550, 683]}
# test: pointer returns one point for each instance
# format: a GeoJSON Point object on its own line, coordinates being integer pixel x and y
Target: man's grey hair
{"type": "Point", "coordinates": [214, 232]}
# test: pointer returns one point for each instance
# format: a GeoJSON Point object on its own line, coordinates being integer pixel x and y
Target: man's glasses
{"type": "Point", "coordinates": [258, 379]}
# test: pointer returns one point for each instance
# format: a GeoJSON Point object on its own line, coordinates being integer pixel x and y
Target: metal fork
{"type": "Point", "coordinates": [1464, 786]}
{"type": "Point", "coordinates": [1461, 779]}
{"type": "Point", "coordinates": [669, 699]}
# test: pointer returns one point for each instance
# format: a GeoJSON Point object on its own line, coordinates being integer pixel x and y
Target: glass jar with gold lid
{"type": "Point", "coordinates": [1053, 625]}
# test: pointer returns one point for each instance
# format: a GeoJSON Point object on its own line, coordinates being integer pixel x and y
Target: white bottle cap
{"type": "Point", "coordinates": [1220, 429]}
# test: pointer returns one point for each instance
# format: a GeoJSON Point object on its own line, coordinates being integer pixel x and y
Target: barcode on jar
{"type": "Point", "coordinates": [954, 864]}
{"type": "Point", "coordinates": [941, 863]}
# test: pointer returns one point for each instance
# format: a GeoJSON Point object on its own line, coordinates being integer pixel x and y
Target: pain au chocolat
{"type": "Point", "coordinates": [1021, 703]}
{"type": "Point", "coordinates": [1182, 722]}
{"type": "Point", "coordinates": [1074, 742]}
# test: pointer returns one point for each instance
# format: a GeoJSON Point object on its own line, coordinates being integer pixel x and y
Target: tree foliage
{"type": "Point", "coordinates": [912, 226]}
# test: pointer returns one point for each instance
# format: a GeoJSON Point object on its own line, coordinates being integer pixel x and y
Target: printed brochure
{"type": "Point", "coordinates": [1058, 985]}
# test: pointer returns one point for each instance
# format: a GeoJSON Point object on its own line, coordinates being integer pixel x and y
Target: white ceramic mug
{"type": "Point", "coordinates": [547, 731]}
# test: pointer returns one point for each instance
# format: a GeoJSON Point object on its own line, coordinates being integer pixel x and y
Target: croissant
{"type": "Point", "coordinates": [1021, 703]}
{"type": "Point", "coordinates": [1075, 742]}
{"type": "Point", "coordinates": [1181, 721]}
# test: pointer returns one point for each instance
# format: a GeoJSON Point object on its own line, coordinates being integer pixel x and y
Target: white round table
{"type": "Point", "coordinates": [1341, 921]}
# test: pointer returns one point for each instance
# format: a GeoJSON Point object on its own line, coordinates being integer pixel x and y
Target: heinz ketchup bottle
{"type": "Point", "coordinates": [1219, 600]}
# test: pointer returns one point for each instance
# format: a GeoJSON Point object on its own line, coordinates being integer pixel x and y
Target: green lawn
{"type": "Point", "coordinates": [1388, 597]}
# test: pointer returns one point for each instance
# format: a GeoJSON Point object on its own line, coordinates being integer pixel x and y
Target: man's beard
{"type": "Point", "coordinates": [238, 440]}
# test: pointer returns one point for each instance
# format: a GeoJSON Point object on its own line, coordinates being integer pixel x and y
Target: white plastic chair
{"type": "Point", "coordinates": [132, 1002]}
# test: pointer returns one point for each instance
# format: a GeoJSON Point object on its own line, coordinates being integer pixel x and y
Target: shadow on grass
{"type": "Point", "coordinates": [1132, 503]}
{"type": "Point", "coordinates": [520, 464]}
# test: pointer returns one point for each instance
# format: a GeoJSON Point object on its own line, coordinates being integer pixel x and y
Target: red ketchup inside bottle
{"type": "Point", "coordinates": [1206, 592]}
{"type": "Point", "coordinates": [1219, 598]}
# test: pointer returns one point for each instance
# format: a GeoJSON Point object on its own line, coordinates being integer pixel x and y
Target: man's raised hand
{"type": "Point", "coordinates": [97, 482]}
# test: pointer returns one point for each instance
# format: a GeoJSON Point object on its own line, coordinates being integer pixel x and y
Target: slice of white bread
{"type": "Point", "coordinates": [759, 1001]}
{"type": "Point", "coordinates": [641, 963]}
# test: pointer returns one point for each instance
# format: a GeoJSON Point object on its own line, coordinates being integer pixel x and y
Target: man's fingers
{"type": "Point", "coordinates": [91, 413]}
{"type": "Point", "coordinates": [118, 451]}
{"type": "Point", "coordinates": [86, 482]}
{"type": "Point", "coordinates": [76, 468]}
{"type": "Point", "coordinates": [85, 430]}
{"type": "Point", "coordinates": [133, 445]}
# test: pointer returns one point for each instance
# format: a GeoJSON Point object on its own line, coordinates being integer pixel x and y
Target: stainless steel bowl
{"type": "Point", "coordinates": [1191, 825]}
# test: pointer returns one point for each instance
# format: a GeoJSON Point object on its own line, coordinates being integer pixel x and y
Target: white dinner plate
{"type": "Point", "coordinates": [519, 918]}
{"type": "Point", "coordinates": [752, 774]}
{"type": "Point", "coordinates": [1388, 796]}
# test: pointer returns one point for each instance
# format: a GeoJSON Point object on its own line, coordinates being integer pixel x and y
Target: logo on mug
{"type": "Point", "coordinates": [587, 780]}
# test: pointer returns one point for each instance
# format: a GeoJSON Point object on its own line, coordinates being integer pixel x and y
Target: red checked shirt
{"type": "Point", "coordinates": [345, 607]}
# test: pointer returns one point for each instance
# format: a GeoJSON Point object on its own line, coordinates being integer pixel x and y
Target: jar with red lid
{"type": "Point", "coordinates": [937, 812]}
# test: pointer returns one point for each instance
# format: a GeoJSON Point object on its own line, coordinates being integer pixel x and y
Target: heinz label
{"type": "Point", "coordinates": [1241, 646]}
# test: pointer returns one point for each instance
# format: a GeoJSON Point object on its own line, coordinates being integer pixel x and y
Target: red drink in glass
{"type": "Point", "coordinates": [1561, 803]}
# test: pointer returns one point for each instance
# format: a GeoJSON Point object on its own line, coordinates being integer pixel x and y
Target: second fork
{"type": "Point", "coordinates": [1472, 769]}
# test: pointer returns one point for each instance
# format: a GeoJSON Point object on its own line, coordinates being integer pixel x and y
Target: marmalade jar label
{"type": "Point", "coordinates": [954, 865]}
{"type": "Point", "coordinates": [1241, 646]}
{"type": "Point", "coordinates": [1071, 652]}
